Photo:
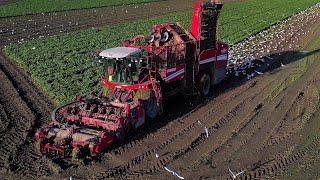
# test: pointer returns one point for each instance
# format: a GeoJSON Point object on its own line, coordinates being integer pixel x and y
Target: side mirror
{"type": "Point", "coordinates": [97, 61]}
{"type": "Point", "coordinates": [94, 55]}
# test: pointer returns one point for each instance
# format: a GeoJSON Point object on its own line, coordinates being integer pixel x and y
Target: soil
{"type": "Point", "coordinates": [23, 109]}
{"type": "Point", "coordinates": [3, 2]}
{"type": "Point", "coordinates": [254, 125]}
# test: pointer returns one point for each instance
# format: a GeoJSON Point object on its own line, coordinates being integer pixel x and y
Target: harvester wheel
{"type": "Point", "coordinates": [120, 135]}
{"type": "Point", "coordinates": [152, 106]}
{"type": "Point", "coordinates": [205, 84]}
{"type": "Point", "coordinates": [129, 128]}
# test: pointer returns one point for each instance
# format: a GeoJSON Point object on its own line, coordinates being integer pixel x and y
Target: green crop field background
{"type": "Point", "coordinates": [24, 7]}
{"type": "Point", "coordinates": [61, 64]}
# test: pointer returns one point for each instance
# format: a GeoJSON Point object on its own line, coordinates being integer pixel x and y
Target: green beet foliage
{"type": "Point", "coordinates": [61, 64]}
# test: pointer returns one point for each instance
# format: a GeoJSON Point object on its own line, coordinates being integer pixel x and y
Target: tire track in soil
{"type": "Point", "coordinates": [273, 166]}
{"type": "Point", "coordinates": [4, 121]}
{"type": "Point", "coordinates": [269, 123]}
{"type": "Point", "coordinates": [295, 119]}
{"type": "Point", "coordinates": [165, 159]}
{"type": "Point", "coordinates": [275, 105]}
{"type": "Point", "coordinates": [267, 151]}
{"type": "Point", "coordinates": [176, 155]}
{"type": "Point", "coordinates": [179, 130]}
{"type": "Point", "coordinates": [198, 137]}
{"type": "Point", "coordinates": [308, 166]}
{"type": "Point", "coordinates": [242, 123]}
{"type": "Point", "coordinates": [138, 159]}
{"type": "Point", "coordinates": [27, 108]}
{"type": "Point", "coordinates": [19, 124]}
{"type": "Point", "coordinates": [302, 84]}
{"type": "Point", "coordinates": [299, 113]}
{"type": "Point", "coordinates": [312, 101]}
{"type": "Point", "coordinates": [179, 124]}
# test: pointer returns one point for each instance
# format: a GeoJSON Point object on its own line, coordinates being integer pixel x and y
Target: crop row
{"type": "Point", "coordinates": [24, 7]}
{"type": "Point", "coordinates": [61, 64]}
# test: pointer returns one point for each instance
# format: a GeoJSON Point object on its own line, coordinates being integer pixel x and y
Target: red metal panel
{"type": "Point", "coordinates": [175, 69]}
{"type": "Point", "coordinates": [222, 55]}
{"type": "Point", "coordinates": [220, 64]}
{"type": "Point", "coordinates": [195, 21]}
{"type": "Point", "coordinates": [175, 73]}
{"type": "Point", "coordinates": [210, 53]}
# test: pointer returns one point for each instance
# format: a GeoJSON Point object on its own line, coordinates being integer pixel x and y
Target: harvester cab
{"type": "Point", "coordinates": [121, 64]}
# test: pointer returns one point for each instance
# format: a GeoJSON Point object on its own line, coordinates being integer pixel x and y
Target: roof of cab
{"type": "Point", "coordinates": [119, 52]}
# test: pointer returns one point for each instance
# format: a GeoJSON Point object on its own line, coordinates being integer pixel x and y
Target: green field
{"type": "Point", "coordinates": [24, 7]}
{"type": "Point", "coordinates": [62, 67]}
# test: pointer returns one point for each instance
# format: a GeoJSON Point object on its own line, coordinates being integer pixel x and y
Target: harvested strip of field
{"type": "Point", "coordinates": [3, 2]}
{"type": "Point", "coordinates": [62, 67]}
{"type": "Point", "coordinates": [26, 7]}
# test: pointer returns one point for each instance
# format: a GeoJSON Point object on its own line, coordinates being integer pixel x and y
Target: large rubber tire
{"type": "Point", "coordinates": [152, 108]}
{"type": "Point", "coordinates": [120, 135]}
{"type": "Point", "coordinates": [205, 84]}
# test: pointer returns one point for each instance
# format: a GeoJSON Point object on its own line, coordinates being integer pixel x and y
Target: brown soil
{"type": "Point", "coordinates": [3, 2]}
{"type": "Point", "coordinates": [22, 28]}
{"type": "Point", "coordinates": [23, 109]}
{"type": "Point", "coordinates": [254, 125]}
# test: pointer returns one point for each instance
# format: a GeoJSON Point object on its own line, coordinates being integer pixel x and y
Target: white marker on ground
{"type": "Point", "coordinates": [173, 172]}
{"type": "Point", "coordinates": [235, 175]}
{"type": "Point", "coordinates": [260, 73]}
{"type": "Point", "coordinates": [205, 129]}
